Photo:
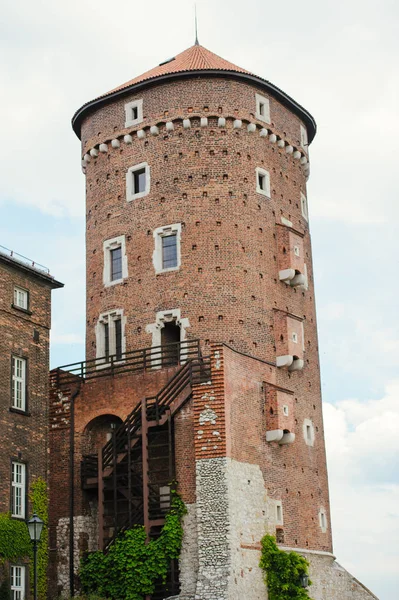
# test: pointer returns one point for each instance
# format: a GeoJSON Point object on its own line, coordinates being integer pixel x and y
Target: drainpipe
{"type": "Point", "coordinates": [72, 490]}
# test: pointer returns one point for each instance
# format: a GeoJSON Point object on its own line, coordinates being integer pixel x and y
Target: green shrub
{"type": "Point", "coordinates": [131, 567]}
{"type": "Point", "coordinates": [282, 571]}
{"type": "Point", "coordinates": [14, 539]}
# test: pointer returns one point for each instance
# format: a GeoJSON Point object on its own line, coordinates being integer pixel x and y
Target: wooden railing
{"type": "Point", "coordinates": [145, 502]}
{"type": "Point", "coordinates": [193, 371]}
{"type": "Point", "coordinates": [158, 357]}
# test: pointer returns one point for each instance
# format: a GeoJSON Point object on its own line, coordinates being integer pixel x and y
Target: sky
{"type": "Point", "coordinates": [339, 60]}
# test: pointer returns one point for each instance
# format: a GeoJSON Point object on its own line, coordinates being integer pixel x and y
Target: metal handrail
{"type": "Point", "coordinates": [150, 358]}
{"type": "Point", "coordinates": [24, 260]}
{"type": "Point", "coordinates": [161, 402]}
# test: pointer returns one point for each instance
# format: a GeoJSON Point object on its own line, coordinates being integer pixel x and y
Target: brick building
{"type": "Point", "coordinates": [201, 341]}
{"type": "Point", "coordinates": [25, 318]}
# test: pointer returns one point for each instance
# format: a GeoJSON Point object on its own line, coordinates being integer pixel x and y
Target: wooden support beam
{"type": "Point", "coordinates": [100, 501]}
{"type": "Point", "coordinates": [144, 446]}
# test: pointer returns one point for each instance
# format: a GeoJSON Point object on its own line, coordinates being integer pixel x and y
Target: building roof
{"type": "Point", "coordinates": [196, 61]}
{"type": "Point", "coordinates": [22, 263]}
{"type": "Point", "coordinates": [196, 58]}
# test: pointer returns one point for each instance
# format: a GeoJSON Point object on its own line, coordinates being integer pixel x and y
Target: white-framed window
{"type": "Point", "coordinates": [17, 580]}
{"type": "Point", "coordinates": [166, 255]}
{"type": "Point", "coordinates": [110, 337]}
{"type": "Point", "coordinates": [296, 251]}
{"type": "Point", "coordinates": [304, 206]}
{"type": "Point", "coordinates": [115, 261]}
{"type": "Point", "coordinates": [295, 337]}
{"type": "Point", "coordinates": [133, 113]}
{"type": "Point", "coordinates": [263, 182]}
{"type": "Point", "coordinates": [308, 432]}
{"type": "Point", "coordinates": [21, 298]}
{"type": "Point", "coordinates": [262, 108]}
{"type": "Point", "coordinates": [18, 489]}
{"type": "Point", "coordinates": [279, 513]}
{"type": "Point", "coordinates": [285, 410]}
{"type": "Point", "coordinates": [304, 138]}
{"type": "Point", "coordinates": [137, 181]}
{"type": "Point", "coordinates": [18, 383]}
{"type": "Point", "coordinates": [323, 520]}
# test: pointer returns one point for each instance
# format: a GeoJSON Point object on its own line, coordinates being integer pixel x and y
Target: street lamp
{"type": "Point", "coordinates": [304, 579]}
{"type": "Point", "coordinates": [35, 526]}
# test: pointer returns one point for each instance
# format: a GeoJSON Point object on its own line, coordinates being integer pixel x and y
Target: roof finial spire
{"type": "Point", "coordinates": [196, 26]}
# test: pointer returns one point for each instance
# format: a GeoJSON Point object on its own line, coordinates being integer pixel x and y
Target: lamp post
{"type": "Point", "coordinates": [35, 526]}
{"type": "Point", "coordinates": [304, 579]}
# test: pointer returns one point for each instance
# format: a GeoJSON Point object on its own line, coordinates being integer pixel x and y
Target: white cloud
{"type": "Point", "coordinates": [363, 455]}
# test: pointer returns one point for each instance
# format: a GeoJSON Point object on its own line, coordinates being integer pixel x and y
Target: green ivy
{"type": "Point", "coordinates": [15, 542]}
{"type": "Point", "coordinates": [39, 499]}
{"type": "Point", "coordinates": [14, 539]}
{"type": "Point", "coordinates": [282, 571]}
{"type": "Point", "coordinates": [132, 566]}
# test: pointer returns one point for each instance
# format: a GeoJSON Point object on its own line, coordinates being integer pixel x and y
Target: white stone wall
{"type": "Point", "coordinates": [233, 513]}
{"type": "Point", "coordinates": [330, 580]}
{"type": "Point", "coordinates": [251, 515]}
{"type": "Point", "coordinates": [85, 534]}
{"type": "Point", "coordinates": [188, 561]}
{"type": "Point", "coordinates": [214, 554]}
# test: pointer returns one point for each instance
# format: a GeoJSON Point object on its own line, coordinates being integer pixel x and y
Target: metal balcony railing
{"type": "Point", "coordinates": [24, 260]}
{"type": "Point", "coordinates": [145, 359]}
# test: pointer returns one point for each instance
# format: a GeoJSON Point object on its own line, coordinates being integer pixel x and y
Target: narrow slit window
{"type": "Point", "coordinates": [167, 256]}
{"type": "Point", "coordinates": [262, 182]}
{"type": "Point", "coordinates": [304, 206]}
{"type": "Point", "coordinates": [18, 383]}
{"type": "Point", "coordinates": [115, 261]}
{"type": "Point", "coordinates": [21, 298]}
{"type": "Point", "coordinates": [17, 581]}
{"type": "Point", "coordinates": [18, 489]}
{"type": "Point", "coordinates": [279, 513]}
{"type": "Point", "coordinates": [135, 113]}
{"type": "Point", "coordinates": [118, 338]}
{"type": "Point", "coordinates": [139, 181]}
{"type": "Point", "coordinates": [110, 338]}
{"type": "Point", "coordinates": [106, 340]}
{"type": "Point", "coordinates": [262, 108]}
{"type": "Point", "coordinates": [116, 264]}
{"type": "Point", "coordinates": [308, 432]}
{"type": "Point", "coordinates": [169, 251]}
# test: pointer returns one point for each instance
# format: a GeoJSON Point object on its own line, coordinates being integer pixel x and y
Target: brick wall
{"type": "Point", "coordinates": [295, 473]}
{"type": "Point", "coordinates": [25, 334]}
{"type": "Point", "coordinates": [205, 179]}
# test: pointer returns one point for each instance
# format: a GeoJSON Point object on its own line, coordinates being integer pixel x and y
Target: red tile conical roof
{"type": "Point", "coordinates": [196, 58]}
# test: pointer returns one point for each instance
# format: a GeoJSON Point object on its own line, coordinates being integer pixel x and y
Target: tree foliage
{"type": "Point", "coordinates": [132, 566]}
{"type": "Point", "coordinates": [282, 571]}
{"type": "Point", "coordinates": [15, 542]}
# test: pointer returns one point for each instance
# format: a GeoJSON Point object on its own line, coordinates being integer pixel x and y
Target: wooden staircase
{"type": "Point", "coordinates": [134, 470]}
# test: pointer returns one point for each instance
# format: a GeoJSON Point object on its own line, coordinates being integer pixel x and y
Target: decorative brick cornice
{"type": "Point", "coordinates": [165, 127]}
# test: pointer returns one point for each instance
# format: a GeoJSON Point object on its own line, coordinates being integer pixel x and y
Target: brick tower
{"type": "Point", "coordinates": [201, 331]}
